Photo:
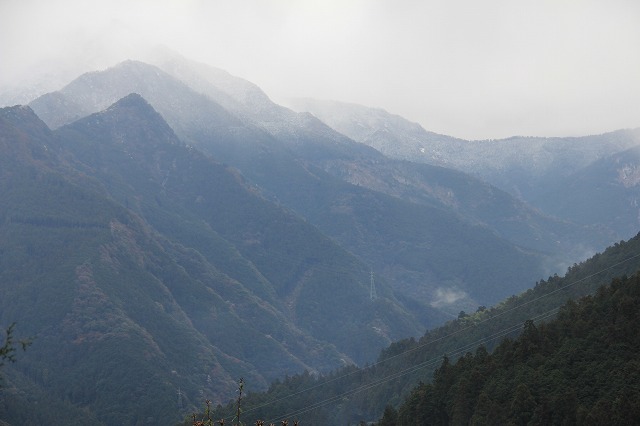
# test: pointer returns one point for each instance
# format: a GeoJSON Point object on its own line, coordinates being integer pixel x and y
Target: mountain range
{"type": "Point", "coordinates": [118, 237]}
{"type": "Point", "coordinates": [557, 176]}
{"type": "Point", "coordinates": [342, 186]}
{"type": "Point", "coordinates": [166, 228]}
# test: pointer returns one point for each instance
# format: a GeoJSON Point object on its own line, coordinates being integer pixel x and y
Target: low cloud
{"type": "Point", "coordinates": [444, 297]}
{"type": "Point", "coordinates": [469, 69]}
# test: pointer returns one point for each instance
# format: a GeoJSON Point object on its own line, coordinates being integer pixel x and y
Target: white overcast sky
{"type": "Point", "coordinates": [468, 68]}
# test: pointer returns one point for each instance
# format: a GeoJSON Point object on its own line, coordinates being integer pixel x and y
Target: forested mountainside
{"type": "Point", "coordinates": [352, 395]}
{"type": "Point", "coordinates": [411, 223]}
{"type": "Point", "coordinates": [141, 267]}
{"type": "Point", "coordinates": [557, 175]}
{"type": "Point", "coordinates": [416, 182]}
{"type": "Point", "coordinates": [580, 368]}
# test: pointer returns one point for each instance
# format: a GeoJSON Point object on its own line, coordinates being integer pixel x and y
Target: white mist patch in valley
{"type": "Point", "coordinates": [445, 297]}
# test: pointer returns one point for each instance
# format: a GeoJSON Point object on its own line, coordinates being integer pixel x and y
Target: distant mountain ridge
{"type": "Point", "coordinates": [531, 168]}
{"type": "Point", "coordinates": [606, 192]}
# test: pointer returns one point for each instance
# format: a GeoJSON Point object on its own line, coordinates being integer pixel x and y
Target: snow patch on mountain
{"type": "Point", "coordinates": [629, 175]}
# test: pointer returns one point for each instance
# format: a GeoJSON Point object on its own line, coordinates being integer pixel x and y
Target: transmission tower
{"type": "Point", "coordinates": [372, 290]}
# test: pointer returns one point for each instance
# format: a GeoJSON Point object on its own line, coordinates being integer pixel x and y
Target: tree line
{"type": "Point", "coordinates": [581, 368]}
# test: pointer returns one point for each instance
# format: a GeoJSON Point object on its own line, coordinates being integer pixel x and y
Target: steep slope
{"type": "Point", "coordinates": [437, 186]}
{"type": "Point", "coordinates": [291, 255]}
{"type": "Point", "coordinates": [469, 198]}
{"type": "Point", "coordinates": [192, 115]}
{"type": "Point", "coordinates": [74, 275]}
{"type": "Point", "coordinates": [139, 264]}
{"type": "Point", "coordinates": [238, 95]}
{"type": "Point", "coordinates": [301, 166]}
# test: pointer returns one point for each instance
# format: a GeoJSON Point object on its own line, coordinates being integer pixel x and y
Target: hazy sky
{"type": "Point", "coordinates": [469, 68]}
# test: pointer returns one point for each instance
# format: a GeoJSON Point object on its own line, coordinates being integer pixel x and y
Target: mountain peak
{"type": "Point", "coordinates": [24, 118]}
{"type": "Point", "coordinates": [18, 113]}
{"type": "Point", "coordinates": [132, 100]}
{"type": "Point", "coordinates": [25, 139]}
{"type": "Point", "coordinates": [133, 119]}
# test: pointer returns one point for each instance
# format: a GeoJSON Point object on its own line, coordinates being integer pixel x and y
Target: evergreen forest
{"type": "Point", "coordinates": [581, 368]}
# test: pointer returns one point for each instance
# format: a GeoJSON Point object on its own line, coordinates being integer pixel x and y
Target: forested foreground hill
{"type": "Point", "coordinates": [351, 395]}
{"type": "Point", "coordinates": [581, 368]}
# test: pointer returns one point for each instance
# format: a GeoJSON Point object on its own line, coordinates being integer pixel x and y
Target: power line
{"type": "Point", "coordinates": [496, 335]}
{"type": "Point", "coordinates": [424, 364]}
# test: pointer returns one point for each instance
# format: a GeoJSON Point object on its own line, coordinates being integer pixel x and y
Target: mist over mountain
{"type": "Point", "coordinates": [135, 243]}
{"type": "Point", "coordinates": [169, 224]}
{"type": "Point", "coordinates": [172, 228]}
{"type": "Point", "coordinates": [300, 163]}
{"type": "Point", "coordinates": [539, 171]}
